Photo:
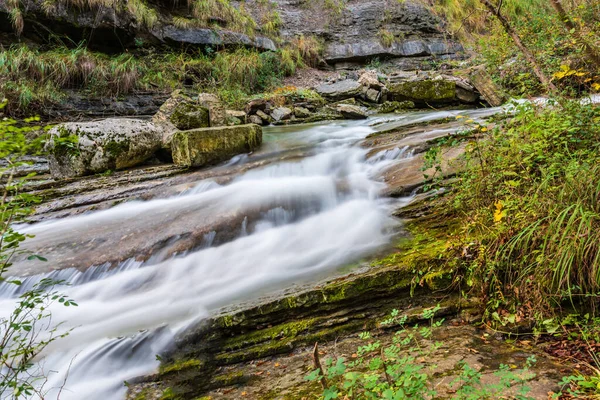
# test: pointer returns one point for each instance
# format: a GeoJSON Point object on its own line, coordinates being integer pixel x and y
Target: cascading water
{"type": "Point", "coordinates": [300, 221]}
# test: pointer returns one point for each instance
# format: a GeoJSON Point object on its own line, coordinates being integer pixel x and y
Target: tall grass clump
{"type": "Point", "coordinates": [531, 201]}
{"type": "Point", "coordinates": [309, 49]}
{"type": "Point", "coordinates": [32, 79]}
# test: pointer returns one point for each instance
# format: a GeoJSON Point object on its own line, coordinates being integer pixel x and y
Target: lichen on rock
{"type": "Point", "coordinates": [84, 148]}
{"type": "Point", "coordinates": [424, 91]}
{"type": "Point", "coordinates": [200, 147]}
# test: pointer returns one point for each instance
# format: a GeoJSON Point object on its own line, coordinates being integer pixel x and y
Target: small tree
{"type": "Point", "coordinates": [26, 332]}
{"type": "Point", "coordinates": [496, 10]}
{"type": "Point", "coordinates": [591, 52]}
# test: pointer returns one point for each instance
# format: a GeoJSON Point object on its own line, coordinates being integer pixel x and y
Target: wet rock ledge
{"type": "Point", "coordinates": [207, 355]}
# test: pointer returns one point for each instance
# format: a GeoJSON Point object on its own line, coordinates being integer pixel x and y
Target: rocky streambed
{"type": "Point", "coordinates": [227, 270]}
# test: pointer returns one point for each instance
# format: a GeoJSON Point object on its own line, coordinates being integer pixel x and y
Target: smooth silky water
{"type": "Point", "coordinates": [315, 215]}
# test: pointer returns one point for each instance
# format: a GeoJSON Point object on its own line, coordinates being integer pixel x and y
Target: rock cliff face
{"type": "Point", "coordinates": [352, 31]}
{"type": "Point", "coordinates": [116, 27]}
{"type": "Point", "coordinates": [368, 29]}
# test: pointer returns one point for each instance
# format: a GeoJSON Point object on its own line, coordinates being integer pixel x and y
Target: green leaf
{"type": "Point", "coordinates": [36, 257]}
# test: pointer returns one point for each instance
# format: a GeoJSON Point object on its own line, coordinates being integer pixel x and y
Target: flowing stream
{"type": "Point", "coordinates": [295, 222]}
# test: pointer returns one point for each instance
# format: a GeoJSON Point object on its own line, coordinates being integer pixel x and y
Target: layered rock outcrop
{"type": "Point", "coordinates": [117, 26]}
{"type": "Point", "coordinates": [360, 30]}
{"type": "Point", "coordinates": [355, 31]}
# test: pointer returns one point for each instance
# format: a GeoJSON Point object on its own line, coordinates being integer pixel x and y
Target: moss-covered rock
{"type": "Point", "coordinates": [84, 148]}
{"type": "Point", "coordinates": [182, 112]}
{"type": "Point", "coordinates": [393, 106]}
{"type": "Point", "coordinates": [188, 116]}
{"type": "Point", "coordinates": [200, 147]}
{"type": "Point", "coordinates": [424, 91]}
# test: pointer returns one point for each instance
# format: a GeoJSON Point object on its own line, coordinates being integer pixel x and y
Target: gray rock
{"type": "Point", "coordinates": [490, 92]}
{"type": "Point", "coordinates": [255, 105]}
{"type": "Point", "coordinates": [264, 116]}
{"type": "Point", "coordinates": [181, 112]}
{"type": "Point", "coordinates": [466, 96]}
{"type": "Point", "coordinates": [373, 95]}
{"type": "Point", "coordinates": [370, 79]}
{"type": "Point", "coordinates": [352, 112]}
{"type": "Point", "coordinates": [211, 37]}
{"type": "Point", "coordinates": [301, 112]}
{"type": "Point", "coordinates": [427, 91]}
{"type": "Point", "coordinates": [255, 119]}
{"type": "Point", "coordinates": [393, 106]}
{"type": "Point", "coordinates": [117, 27]}
{"type": "Point", "coordinates": [200, 147]}
{"type": "Point", "coordinates": [235, 117]}
{"type": "Point", "coordinates": [84, 148]}
{"type": "Point", "coordinates": [340, 90]}
{"type": "Point", "coordinates": [281, 114]}
{"type": "Point", "coordinates": [215, 108]}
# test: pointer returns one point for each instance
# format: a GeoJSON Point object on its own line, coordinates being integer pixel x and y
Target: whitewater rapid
{"type": "Point", "coordinates": [314, 215]}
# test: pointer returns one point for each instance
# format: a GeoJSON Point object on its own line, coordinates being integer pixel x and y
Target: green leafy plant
{"type": "Point", "coordinates": [395, 371]}
{"type": "Point", "coordinates": [28, 330]}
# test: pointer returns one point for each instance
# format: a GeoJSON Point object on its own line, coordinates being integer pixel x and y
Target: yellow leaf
{"type": "Point", "coordinates": [500, 212]}
{"type": "Point", "coordinates": [484, 129]}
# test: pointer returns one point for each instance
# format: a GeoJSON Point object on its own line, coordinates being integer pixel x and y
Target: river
{"type": "Point", "coordinates": [289, 223]}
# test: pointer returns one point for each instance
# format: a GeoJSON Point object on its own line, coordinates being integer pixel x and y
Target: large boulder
{"type": "Point", "coordinates": [190, 116]}
{"type": "Point", "coordinates": [350, 111]}
{"type": "Point", "coordinates": [84, 148]}
{"type": "Point", "coordinates": [427, 91]}
{"type": "Point", "coordinates": [341, 90]}
{"type": "Point", "coordinates": [200, 147]}
{"type": "Point", "coordinates": [180, 112]}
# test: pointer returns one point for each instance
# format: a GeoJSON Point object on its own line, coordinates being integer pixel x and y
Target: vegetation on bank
{"type": "Point", "coordinates": [542, 30]}
{"type": "Point", "coordinates": [32, 79]}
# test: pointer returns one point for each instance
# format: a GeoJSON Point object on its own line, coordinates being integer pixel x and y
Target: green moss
{"type": "Point", "coordinates": [200, 147]}
{"type": "Point", "coordinates": [116, 148]}
{"type": "Point", "coordinates": [66, 144]}
{"type": "Point", "coordinates": [229, 379]}
{"type": "Point", "coordinates": [188, 115]}
{"type": "Point", "coordinates": [168, 394]}
{"type": "Point", "coordinates": [281, 332]}
{"type": "Point", "coordinates": [180, 366]}
{"type": "Point", "coordinates": [428, 91]}
{"type": "Point", "coordinates": [287, 344]}
{"type": "Point", "coordinates": [393, 106]}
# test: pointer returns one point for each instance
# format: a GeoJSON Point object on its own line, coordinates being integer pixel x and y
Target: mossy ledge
{"type": "Point", "coordinates": [409, 279]}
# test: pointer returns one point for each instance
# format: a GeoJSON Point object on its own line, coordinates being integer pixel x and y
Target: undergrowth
{"type": "Point", "coordinates": [32, 79]}
{"type": "Point", "coordinates": [541, 29]}
{"type": "Point", "coordinates": [406, 368]}
{"type": "Point", "coordinates": [530, 202]}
